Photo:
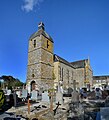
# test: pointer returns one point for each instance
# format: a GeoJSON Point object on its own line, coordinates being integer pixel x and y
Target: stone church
{"type": "Point", "coordinates": [46, 69]}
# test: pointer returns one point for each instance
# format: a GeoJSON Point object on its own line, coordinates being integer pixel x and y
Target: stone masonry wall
{"type": "Point", "coordinates": [80, 76]}
{"type": "Point", "coordinates": [40, 59]}
{"type": "Point", "coordinates": [66, 77]}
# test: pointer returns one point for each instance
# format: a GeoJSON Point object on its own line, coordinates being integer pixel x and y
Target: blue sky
{"type": "Point", "coordinates": [79, 28]}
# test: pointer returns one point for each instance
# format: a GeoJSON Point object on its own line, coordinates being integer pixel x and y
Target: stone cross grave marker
{"type": "Point", "coordinates": [45, 97]}
{"type": "Point", "coordinates": [34, 95]}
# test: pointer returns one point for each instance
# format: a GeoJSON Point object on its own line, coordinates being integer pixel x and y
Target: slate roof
{"type": "Point", "coordinates": [103, 77]}
{"type": "Point", "coordinates": [41, 31]}
{"type": "Point", "coordinates": [58, 58]}
{"type": "Point", "coordinates": [79, 64]}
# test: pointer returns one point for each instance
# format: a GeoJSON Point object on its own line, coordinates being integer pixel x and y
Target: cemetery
{"type": "Point", "coordinates": [19, 104]}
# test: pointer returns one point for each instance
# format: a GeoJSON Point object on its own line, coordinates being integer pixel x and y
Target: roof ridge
{"type": "Point", "coordinates": [60, 59]}
{"type": "Point", "coordinates": [79, 60]}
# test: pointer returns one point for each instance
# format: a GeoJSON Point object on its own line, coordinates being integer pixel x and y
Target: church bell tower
{"type": "Point", "coordinates": [40, 59]}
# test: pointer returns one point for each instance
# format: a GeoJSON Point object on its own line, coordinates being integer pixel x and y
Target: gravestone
{"type": "Point", "coordinates": [75, 97]}
{"type": "Point", "coordinates": [104, 112]}
{"type": "Point", "coordinates": [39, 96]}
{"type": "Point", "coordinates": [59, 97]}
{"type": "Point", "coordinates": [34, 95]}
{"type": "Point", "coordinates": [75, 94]}
{"type": "Point", "coordinates": [28, 87]}
{"type": "Point", "coordinates": [24, 93]}
{"type": "Point", "coordinates": [70, 90]}
{"type": "Point", "coordinates": [45, 97]}
{"type": "Point", "coordinates": [61, 90]}
{"type": "Point", "coordinates": [6, 88]}
{"type": "Point", "coordinates": [8, 92]}
{"type": "Point", "coordinates": [15, 98]}
{"type": "Point", "coordinates": [18, 93]}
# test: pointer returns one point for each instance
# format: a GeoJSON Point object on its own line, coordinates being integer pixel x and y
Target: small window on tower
{"type": "Point", "coordinates": [33, 75]}
{"type": "Point", "coordinates": [47, 44]}
{"type": "Point", "coordinates": [34, 43]}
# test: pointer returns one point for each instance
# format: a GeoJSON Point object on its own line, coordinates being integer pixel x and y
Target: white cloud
{"type": "Point", "coordinates": [30, 4]}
